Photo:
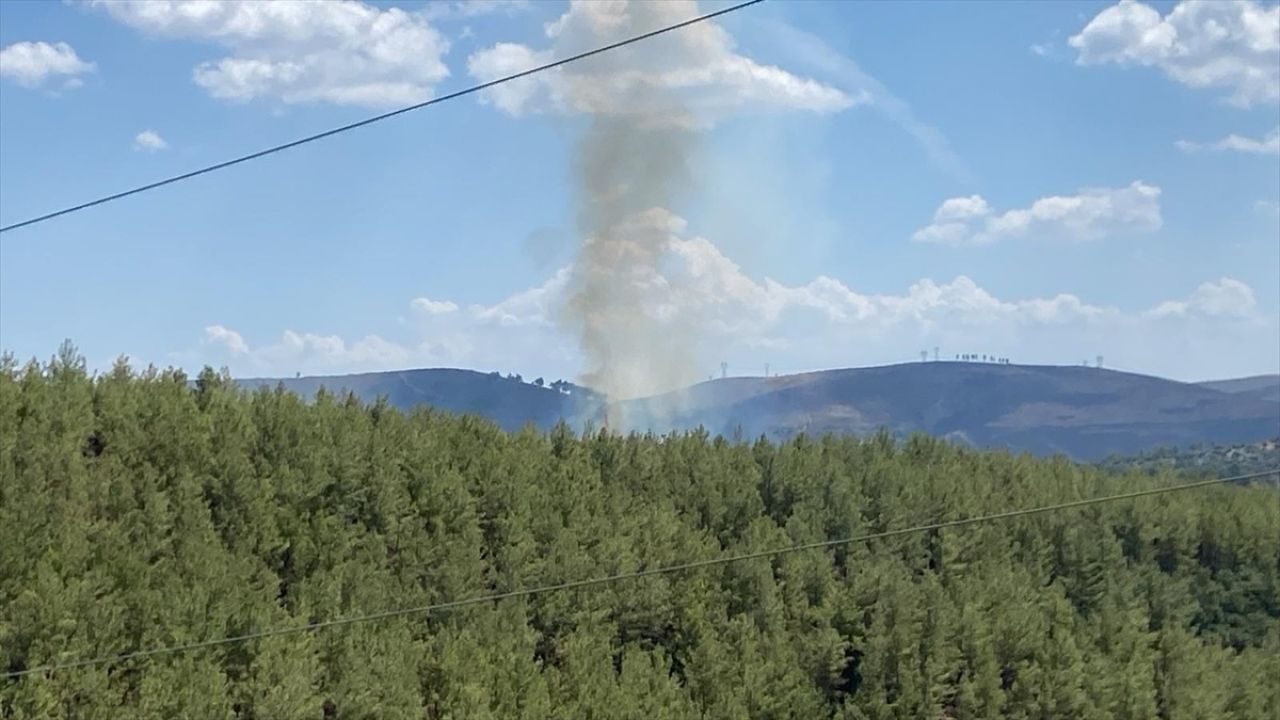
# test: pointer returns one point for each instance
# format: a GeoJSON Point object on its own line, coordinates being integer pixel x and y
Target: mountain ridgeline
{"type": "Point", "coordinates": [1085, 413]}
{"type": "Point", "coordinates": [508, 401]}
{"type": "Point", "coordinates": [1263, 387]}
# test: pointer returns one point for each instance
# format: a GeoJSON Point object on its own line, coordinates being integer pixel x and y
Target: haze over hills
{"type": "Point", "coordinates": [1086, 413]}
{"type": "Point", "coordinates": [1265, 387]}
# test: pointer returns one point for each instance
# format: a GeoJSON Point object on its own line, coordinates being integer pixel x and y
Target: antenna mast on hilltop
{"type": "Point", "coordinates": [724, 370]}
{"type": "Point", "coordinates": [1099, 362]}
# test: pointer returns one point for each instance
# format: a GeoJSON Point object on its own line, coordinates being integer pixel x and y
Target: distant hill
{"type": "Point", "coordinates": [1263, 387]}
{"type": "Point", "coordinates": [508, 402]}
{"type": "Point", "coordinates": [1086, 413]}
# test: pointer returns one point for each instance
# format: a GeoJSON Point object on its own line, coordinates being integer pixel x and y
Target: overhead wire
{"type": "Point", "coordinates": [544, 589]}
{"type": "Point", "coordinates": [619, 577]}
{"type": "Point", "coordinates": [377, 118]}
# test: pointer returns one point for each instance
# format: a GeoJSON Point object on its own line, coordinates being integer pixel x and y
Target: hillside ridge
{"type": "Point", "coordinates": [1086, 413]}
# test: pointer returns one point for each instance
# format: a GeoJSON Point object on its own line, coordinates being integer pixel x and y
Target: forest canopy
{"type": "Point", "coordinates": [144, 509]}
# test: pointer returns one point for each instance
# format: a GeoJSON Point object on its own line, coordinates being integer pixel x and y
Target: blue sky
{"type": "Point", "coordinates": [1044, 181]}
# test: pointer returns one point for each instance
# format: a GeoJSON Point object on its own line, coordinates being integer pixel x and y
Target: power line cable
{"type": "Point", "coordinates": [377, 118]}
{"type": "Point", "coordinates": [607, 579]}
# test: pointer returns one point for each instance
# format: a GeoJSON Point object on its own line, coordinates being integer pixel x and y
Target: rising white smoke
{"type": "Point", "coordinates": [647, 106]}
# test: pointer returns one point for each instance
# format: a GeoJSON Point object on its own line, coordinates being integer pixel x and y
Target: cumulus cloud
{"type": "Point", "coordinates": [427, 306]}
{"type": "Point", "coordinates": [536, 306]}
{"type": "Point", "coordinates": [309, 352]}
{"type": "Point", "coordinates": [297, 51]}
{"type": "Point", "coordinates": [331, 352]}
{"type": "Point", "coordinates": [226, 337]}
{"type": "Point", "coordinates": [1267, 145]}
{"type": "Point", "coordinates": [961, 208]}
{"type": "Point", "coordinates": [1228, 46]}
{"type": "Point", "coordinates": [1225, 297]}
{"type": "Point", "coordinates": [819, 323]}
{"type": "Point", "coordinates": [696, 68]}
{"type": "Point", "coordinates": [30, 64]}
{"type": "Point", "coordinates": [1091, 214]}
{"type": "Point", "coordinates": [150, 141]}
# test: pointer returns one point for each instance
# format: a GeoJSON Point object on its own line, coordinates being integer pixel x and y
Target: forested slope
{"type": "Point", "coordinates": [1206, 459]}
{"type": "Point", "coordinates": [137, 511]}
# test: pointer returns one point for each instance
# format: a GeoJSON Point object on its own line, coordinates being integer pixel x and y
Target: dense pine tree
{"type": "Point", "coordinates": [143, 509]}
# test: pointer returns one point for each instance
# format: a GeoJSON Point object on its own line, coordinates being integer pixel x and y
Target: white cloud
{"type": "Point", "coordinates": [226, 337]}
{"type": "Point", "coordinates": [1225, 297]}
{"type": "Point", "coordinates": [332, 353]}
{"type": "Point", "coordinates": [1270, 208]}
{"type": "Point", "coordinates": [1230, 46]}
{"type": "Point", "coordinates": [30, 64]}
{"type": "Point", "coordinates": [297, 51]}
{"type": "Point", "coordinates": [309, 352]}
{"type": "Point", "coordinates": [1268, 145]}
{"type": "Point", "coordinates": [150, 141]}
{"type": "Point", "coordinates": [533, 307]}
{"type": "Point", "coordinates": [427, 306]}
{"type": "Point", "coordinates": [822, 323]}
{"type": "Point", "coordinates": [693, 75]}
{"type": "Point", "coordinates": [961, 208]}
{"type": "Point", "coordinates": [1092, 214]}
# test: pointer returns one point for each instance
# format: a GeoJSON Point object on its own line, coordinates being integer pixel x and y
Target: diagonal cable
{"type": "Point", "coordinates": [376, 118]}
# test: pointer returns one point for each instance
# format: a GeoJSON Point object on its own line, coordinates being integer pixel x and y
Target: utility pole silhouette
{"type": "Point", "coordinates": [1099, 362]}
{"type": "Point", "coordinates": [936, 356]}
{"type": "Point", "coordinates": [924, 356]}
{"type": "Point", "coordinates": [766, 369]}
{"type": "Point", "coordinates": [724, 370]}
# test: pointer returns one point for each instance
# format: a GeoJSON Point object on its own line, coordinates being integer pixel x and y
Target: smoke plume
{"type": "Point", "coordinates": [631, 164]}
{"type": "Point", "coordinates": [645, 107]}
{"type": "Point", "coordinates": [629, 167]}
